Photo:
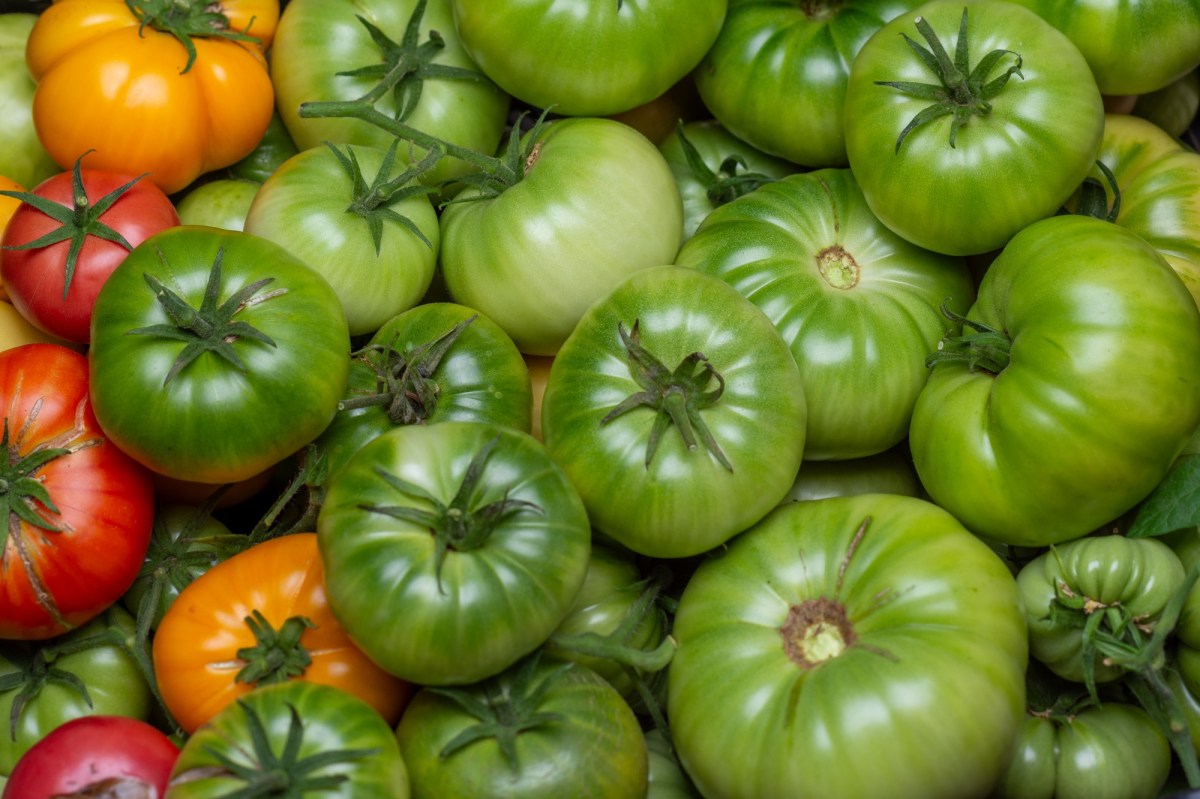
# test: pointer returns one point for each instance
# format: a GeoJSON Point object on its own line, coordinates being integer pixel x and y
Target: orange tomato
{"type": "Point", "coordinates": [197, 644]}
{"type": "Point", "coordinates": [128, 94]}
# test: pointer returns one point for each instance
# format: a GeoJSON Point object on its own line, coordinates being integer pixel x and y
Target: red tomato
{"type": "Point", "coordinates": [77, 511]}
{"type": "Point", "coordinates": [77, 239]}
{"type": "Point", "coordinates": [98, 756]}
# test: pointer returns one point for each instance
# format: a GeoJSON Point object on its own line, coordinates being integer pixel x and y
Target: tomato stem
{"type": "Point", "coordinates": [373, 201]}
{"type": "Point", "coordinates": [987, 348]}
{"type": "Point", "coordinates": [730, 181]}
{"type": "Point", "coordinates": [186, 20]}
{"type": "Point", "coordinates": [277, 655]}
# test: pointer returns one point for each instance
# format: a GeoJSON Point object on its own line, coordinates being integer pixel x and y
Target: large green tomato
{"type": "Point", "coordinates": [849, 647]}
{"type": "Point", "coordinates": [336, 209]}
{"type": "Point", "coordinates": [299, 737]}
{"type": "Point", "coordinates": [215, 354]}
{"type": "Point", "coordinates": [776, 75]}
{"type": "Point", "coordinates": [1132, 48]}
{"type": "Point", "coordinates": [857, 304]}
{"type": "Point", "coordinates": [1079, 387]}
{"type": "Point", "coordinates": [596, 202]}
{"type": "Point", "coordinates": [587, 58]}
{"type": "Point", "coordinates": [437, 88]}
{"type": "Point", "coordinates": [451, 550]}
{"type": "Point", "coordinates": [678, 412]}
{"type": "Point", "coordinates": [22, 158]}
{"type": "Point", "coordinates": [539, 730]}
{"type": "Point", "coordinates": [988, 158]}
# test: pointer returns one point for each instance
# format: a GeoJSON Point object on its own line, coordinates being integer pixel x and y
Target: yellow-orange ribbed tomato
{"type": "Point", "coordinates": [118, 82]}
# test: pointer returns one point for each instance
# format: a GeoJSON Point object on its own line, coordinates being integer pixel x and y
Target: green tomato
{"type": "Point", "coordinates": [667, 779]}
{"type": "Point", "coordinates": [539, 730]}
{"type": "Point", "coordinates": [776, 76]}
{"type": "Point", "coordinates": [1075, 405]}
{"type": "Point", "coordinates": [22, 158]}
{"type": "Point", "coordinates": [728, 168]}
{"type": "Point", "coordinates": [597, 202]}
{"type": "Point", "coordinates": [586, 58]}
{"type": "Point", "coordinates": [857, 304]}
{"type": "Point", "coordinates": [87, 671]}
{"type": "Point", "coordinates": [275, 147]}
{"type": "Point", "coordinates": [887, 472]}
{"type": "Point", "coordinates": [965, 181]}
{"type": "Point", "coordinates": [872, 624]}
{"type": "Point", "coordinates": [451, 550]}
{"type": "Point", "coordinates": [221, 203]}
{"type": "Point", "coordinates": [215, 354]}
{"type": "Point", "coordinates": [1125, 581]}
{"type": "Point", "coordinates": [678, 412]}
{"type": "Point", "coordinates": [300, 737]}
{"type": "Point", "coordinates": [1172, 107]}
{"type": "Point", "coordinates": [440, 90]}
{"type": "Point", "coordinates": [433, 363]}
{"type": "Point", "coordinates": [1131, 48]}
{"type": "Point", "coordinates": [336, 209]}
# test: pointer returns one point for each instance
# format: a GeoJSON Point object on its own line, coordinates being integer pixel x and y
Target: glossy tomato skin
{"type": "Point", "coordinates": [1131, 48]}
{"type": "Point", "coordinates": [217, 421]}
{"type": "Point", "coordinates": [23, 159]}
{"type": "Point", "coordinates": [57, 579]}
{"type": "Point", "coordinates": [322, 720]}
{"type": "Point", "coordinates": [306, 206]}
{"type": "Point", "coordinates": [841, 626]}
{"type": "Point", "coordinates": [1008, 168]}
{"type": "Point", "coordinates": [593, 750]}
{"type": "Point", "coordinates": [94, 753]}
{"type": "Point", "coordinates": [196, 646]}
{"type": "Point", "coordinates": [681, 501]}
{"type": "Point", "coordinates": [490, 601]}
{"type": "Point", "coordinates": [36, 279]}
{"type": "Point", "coordinates": [1101, 391]}
{"type": "Point", "coordinates": [587, 59]}
{"type": "Point", "coordinates": [107, 86]}
{"type": "Point", "coordinates": [319, 39]}
{"type": "Point", "coordinates": [597, 203]}
{"type": "Point", "coordinates": [858, 305]}
{"type": "Point", "coordinates": [776, 75]}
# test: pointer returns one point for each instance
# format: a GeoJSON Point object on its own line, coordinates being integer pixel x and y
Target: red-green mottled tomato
{"type": "Point", "coordinates": [451, 550]}
{"type": "Point", "coordinates": [1132, 48]}
{"type": "Point", "coordinates": [858, 305]}
{"type": "Point", "coordinates": [678, 412]}
{"type": "Point", "coordinates": [587, 58]}
{"type": "Point", "coordinates": [340, 50]}
{"type": "Point", "coordinates": [305, 738]}
{"type": "Point", "coordinates": [540, 730]}
{"type": "Point", "coordinates": [870, 626]}
{"type": "Point", "coordinates": [333, 208]}
{"type": "Point", "coordinates": [776, 75]}
{"type": "Point", "coordinates": [981, 161]}
{"type": "Point", "coordinates": [215, 354]}
{"type": "Point", "coordinates": [1078, 390]}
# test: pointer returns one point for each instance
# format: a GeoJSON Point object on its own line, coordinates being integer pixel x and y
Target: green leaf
{"type": "Point", "coordinates": [1174, 504]}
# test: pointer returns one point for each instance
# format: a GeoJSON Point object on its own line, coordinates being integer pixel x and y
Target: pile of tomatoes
{"type": "Point", "coordinates": [600, 398]}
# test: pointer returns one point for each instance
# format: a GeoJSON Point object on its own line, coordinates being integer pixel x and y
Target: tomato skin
{"type": "Point", "coordinates": [196, 644]}
{"type": "Point", "coordinates": [932, 659]}
{"type": "Point", "coordinates": [34, 279]}
{"type": "Point", "coordinates": [55, 581]}
{"type": "Point", "coordinates": [90, 752]}
{"type": "Point", "coordinates": [214, 423]}
{"type": "Point", "coordinates": [1011, 167]}
{"type": "Point", "coordinates": [23, 158]}
{"type": "Point", "coordinates": [1101, 393]}
{"type": "Point", "coordinates": [222, 203]}
{"type": "Point", "coordinates": [104, 85]}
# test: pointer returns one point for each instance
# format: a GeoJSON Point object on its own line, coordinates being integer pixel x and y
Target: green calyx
{"type": "Point", "coordinates": [961, 92]}
{"type": "Point", "coordinates": [211, 327]}
{"type": "Point", "coordinates": [271, 774]}
{"type": "Point", "coordinates": [186, 20]}
{"type": "Point", "coordinates": [76, 223]}
{"type": "Point", "coordinates": [986, 348]}
{"type": "Point", "coordinates": [730, 181]}
{"type": "Point", "coordinates": [1093, 197]}
{"type": "Point", "coordinates": [277, 655]}
{"type": "Point", "coordinates": [373, 201]}
{"type": "Point", "coordinates": [404, 380]}
{"type": "Point", "coordinates": [676, 396]}
{"type": "Point", "coordinates": [463, 525]}
{"type": "Point", "coordinates": [509, 706]}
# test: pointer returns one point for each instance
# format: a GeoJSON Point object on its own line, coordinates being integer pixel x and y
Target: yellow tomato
{"type": "Point", "coordinates": [109, 84]}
